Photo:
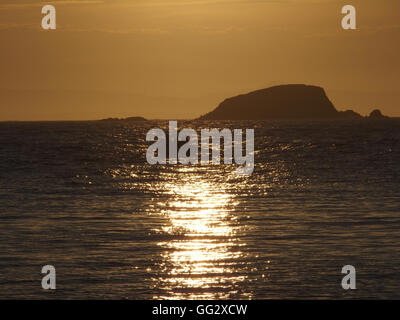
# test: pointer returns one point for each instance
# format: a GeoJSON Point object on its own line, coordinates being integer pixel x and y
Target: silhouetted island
{"type": "Point", "coordinates": [129, 119]}
{"type": "Point", "coordinates": [293, 101]}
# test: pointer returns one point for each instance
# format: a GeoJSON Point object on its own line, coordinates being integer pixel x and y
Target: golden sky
{"type": "Point", "coordinates": [179, 58]}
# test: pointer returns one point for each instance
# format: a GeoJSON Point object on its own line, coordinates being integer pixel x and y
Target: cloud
{"type": "Point", "coordinates": [69, 28]}
{"type": "Point", "coordinates": [136, 31]}
{"type": "Point", "coordinates": [362, 31]}
{"type": "Point", "coordinates": [24, 5]}
{"type": "Point", "coordinates": [11, 26]}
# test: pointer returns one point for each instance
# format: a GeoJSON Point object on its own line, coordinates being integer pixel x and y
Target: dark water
{"type": "Point", "coordinates": [80, 196]}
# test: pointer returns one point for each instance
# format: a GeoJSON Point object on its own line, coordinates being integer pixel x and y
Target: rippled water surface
{"type": "Point", "coordinates": [81, 196]}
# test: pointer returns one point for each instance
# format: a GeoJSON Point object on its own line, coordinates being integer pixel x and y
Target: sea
{"type": "Point", "coordinates": [80, 196]}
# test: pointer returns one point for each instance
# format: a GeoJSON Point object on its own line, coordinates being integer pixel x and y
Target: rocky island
{"type": "Point", "coordinates": [129, 119]}
{"type": "Point", "coordinates": [293, 101]}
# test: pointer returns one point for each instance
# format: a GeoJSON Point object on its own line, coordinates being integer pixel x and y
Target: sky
{"type": "Point", "coordinates": [178, 59]}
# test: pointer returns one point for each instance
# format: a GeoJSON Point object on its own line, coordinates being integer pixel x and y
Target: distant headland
{"type": "Point", "coordinates": [293, 101]}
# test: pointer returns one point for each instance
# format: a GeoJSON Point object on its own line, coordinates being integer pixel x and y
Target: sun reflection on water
{"type": "Point", "coordinates": [200, 257]}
